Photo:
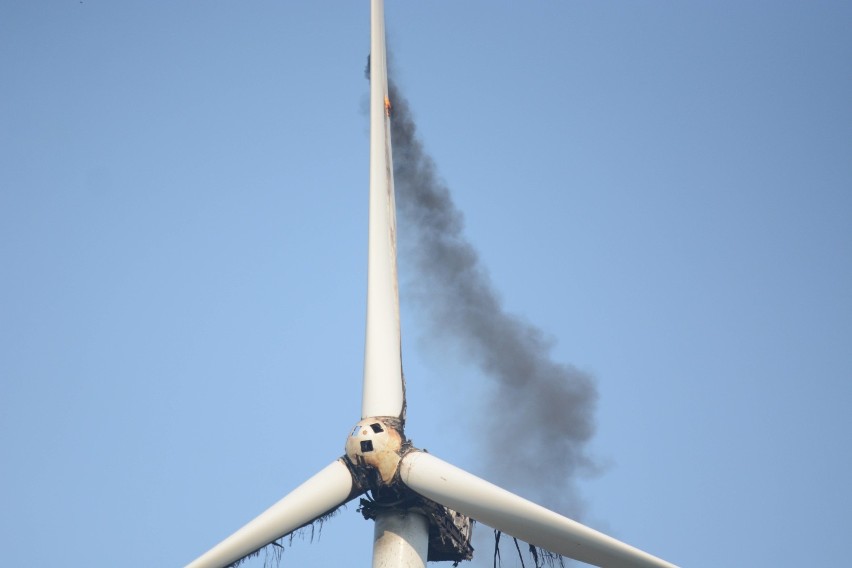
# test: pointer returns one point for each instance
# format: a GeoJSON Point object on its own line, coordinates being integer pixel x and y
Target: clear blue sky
{"type": "Point", "coordinates": [664, 187]}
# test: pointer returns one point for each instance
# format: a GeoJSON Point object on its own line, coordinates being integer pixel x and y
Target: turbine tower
{"type": "Point", "coordinates": [422, 506]}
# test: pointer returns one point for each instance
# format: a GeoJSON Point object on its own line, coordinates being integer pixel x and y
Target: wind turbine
{"type": "Point", "coordinates": [422, 506]}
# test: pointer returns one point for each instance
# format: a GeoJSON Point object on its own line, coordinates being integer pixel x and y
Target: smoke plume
{"type": "Point", "coordinates": [541, 412]}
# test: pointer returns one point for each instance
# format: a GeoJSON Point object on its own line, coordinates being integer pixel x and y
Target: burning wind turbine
{"type": "Point", "coordinates": [423, 507]}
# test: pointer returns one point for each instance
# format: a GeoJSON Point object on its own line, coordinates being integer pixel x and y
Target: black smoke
{"type": "Point", "coordinates": [541, 412]}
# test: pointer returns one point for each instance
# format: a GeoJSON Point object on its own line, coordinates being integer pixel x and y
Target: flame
{"type": "Point", "coordinates": [388, 107]}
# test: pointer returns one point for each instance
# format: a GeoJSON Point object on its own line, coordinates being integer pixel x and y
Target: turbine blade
{"type": "Point", "coordinates": [331, 487]}
{"type": "Point", "coordinates": [383, 388]}
{"type": "Point", "coordinates": [485, 502]}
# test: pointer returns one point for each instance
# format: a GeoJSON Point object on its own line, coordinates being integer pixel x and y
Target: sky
{"type": "Point", "coordinates": [663, 188]}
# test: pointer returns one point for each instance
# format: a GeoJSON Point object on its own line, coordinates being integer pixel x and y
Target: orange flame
{"type": "Point", "coordinates": [388, 107]}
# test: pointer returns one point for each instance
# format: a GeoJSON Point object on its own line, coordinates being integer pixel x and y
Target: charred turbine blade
{"type": "Point", "coordinates": [384, 392]}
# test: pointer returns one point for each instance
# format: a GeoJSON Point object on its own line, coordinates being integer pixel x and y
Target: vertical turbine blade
{"type": "Point", "coordinates": [330, 488]}
{"type": "Point", "coordinates": [383, 388]}
{"type": "Point", "coordinates": [480, 500]}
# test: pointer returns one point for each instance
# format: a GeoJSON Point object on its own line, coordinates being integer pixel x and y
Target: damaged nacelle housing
{"type": "Point", "coordinates": [374, 450]}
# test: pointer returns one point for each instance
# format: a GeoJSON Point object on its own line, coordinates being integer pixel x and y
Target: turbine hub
{"type": "Point", "coordinates": [375, 443]}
